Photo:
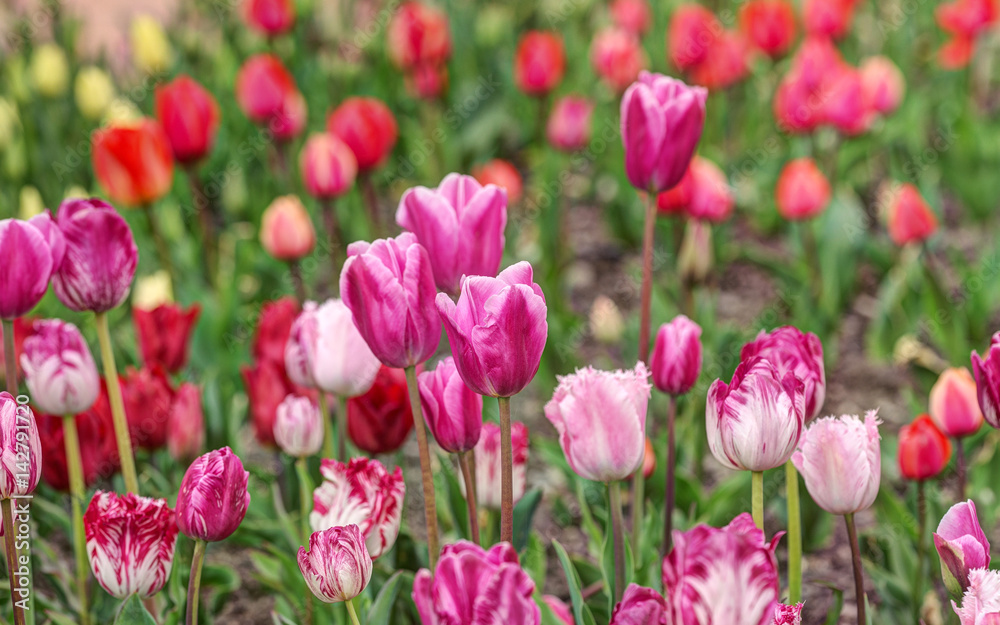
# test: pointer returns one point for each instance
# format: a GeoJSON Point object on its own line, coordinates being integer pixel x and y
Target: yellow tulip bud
{"type": "Point", "coordinates": [153, 290]}
{"type": "Point", "coordinates": [150, 47]}
{"type": "Point", "coordinates": [695, 259]}
{"type": "Point", "coordinates": [94, 91]}
{"type": "Point", "coordinates": [31, 202]}
{"type": "Point", "coordinates": [121, 110]}
{"type": "Point", "coordinates": [606, 321]}
{"type": "Point", "coordinates": [49, 70]}
{"type": "Point", "coordinates": [76, 192]}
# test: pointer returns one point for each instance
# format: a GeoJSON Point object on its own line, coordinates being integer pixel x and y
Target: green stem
{"type": "Point", "coordinates": [9, 357]}
{"type": "Point", "coordinates": [341, 417]}
{"type": "Point", "coordinates": [669, 494]}
{"type": "Point", "coordinates": [352, 612]}
{"type": "Point", "coordinates": [324, 411]}
{"type": "Point", "coordinates": [335, 234]}
{"type": "Point", "coordinates": [427, 478]}
{"type": "Point", "coordinates": [194, 581]}
{"type": "Point", "coordinates": [208, 220]}
{"type": "Point", "coordinates": [859, 574]}
{"type": "Point", "coordinates": [618, 536]}
{"type": "Point", "coordinates": [921, 530]}
{"type": "Point", "coordinates": [297, 282]}
{"type": "Point", "coordinates": [74, 466]}
{"type": "Point", "coordinates": [162, 249]}
{"type": "Point", "coordinates": [371, 203]}
{"type": "Point", "coordinates": [506, 473]}
{"type": "Point", "coordinates": [960, 465]}
{"type": "Point", "coordinates": [794, 534]}
{"type": "Point", "coordinates": [305, 494]}
{"type": "Point", "coordinates": [117, 405]}
{"type": "Point", "coordinates": [758, 499]}
{"type": "Point", "coordinates": [647, 277]}
{"type": "Point", "coordinates": [12, 562]}
{"type": "Point", "coordinates": [467, 462]}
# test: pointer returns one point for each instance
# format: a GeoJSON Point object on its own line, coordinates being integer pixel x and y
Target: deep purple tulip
{"type": "Point", "coordinates": [962, 546]}
{"type": "Point", "coordinates": [791, 350]}
{"type": "Point", "coordinates": [213, 498]}
{"type": "Point", "coordinates": [26, 265]}
{"type": "Point", "coordinates": [676, 360]}
{"type": "Point", "coordinates": [987, 372]}
{"type": "Point", "coordinates": [453, 411]}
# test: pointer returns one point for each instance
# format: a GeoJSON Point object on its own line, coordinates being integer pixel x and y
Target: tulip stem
{"type": "Point", "coordinates": [162, 249]}
{"type": "Point", "coordinates": [647, 277]}
{"type": "Point", "coordinates": [352, 612]}
{"type": "Point", "coordinates": [341, 428]}
{"type": "Point", "coordinates": [921, 530]}
{"type": "Point", "coordinates": [794, 534]}
{"type": "Point", "coordinates": [117, 405]}
{"type": "Point", "coordinates": [618, 536]}
{"type": "Point", "coordinates": [371, 202]}
{"type": "Point", "coordinates": [12, 560]}
{"type": "Point", "coordinates": [506, 473]}
{"type": "Point", "coordinates": [430, 505]}
{"type": "Point", "coordinates": [9, 357]}
{"type": "Point", "coordinates": [960, 467]}
{"type": "Point", "coordinates": [336, 235]}
{"type": "Point", "coordinates": [194, 581]}
{"type": "Point", "coordinates": [758, 499]}
{"type": "Point", "coordinates": [669, 494]}
{"type": "Point", "coordinates": [208, 218]}
{"type": "Point", "coordinates": [305, 494]}
{"type": "Point", "coordinates": [324, 411]}
{"type": "Point", "coordinates": [466, 461]}
{"type": "Point", "coordinates": [74, 465]}
{"type": "Point", "coordinates": [859, 579]}
{"type": "Point", "coordinates": [297, 282]}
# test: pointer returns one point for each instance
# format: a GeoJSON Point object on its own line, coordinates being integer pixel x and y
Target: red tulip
{"type": "Point", "coordinates": [967, 18]}
{"type": "Point", "coordinates": [263, 86]}
{"type": "Point", "coordinates": [291, 117]}
{"type": "Point", "coordinates": [164, 334]}
{"type": "Point", "coordinates": [186, 425]}
{"type": "Point", "coordinates": [367, 126]}
{"type": "Point", "coordinates": [910, 218]}
{"type": "Point", "coordinates": [273, 327]}
{"type": "Point", "coordinates": [956, 53]}
{"type": "Point", "coordinates": [635, 16]}
{"type": "Point", "coordinates": [539, 63]}
{"type": "Point", "coordinates": [189, 116]}
{"type": "Point", "coordinates": [270, 17]}
{"type": "Point", "coordinates": [286, 230]}
{"type": "Point", "coordinates": [924, 450]}
{"type": "Point", "coordinates": [504, 175]}
{"type": "Point", "coordinates": [675, 200]}
{"type": "Point", "coordinates": [149, 399]}
{"type": "Point", "coordinates": [617, 57]}
{"type": "Point", "coordinates": [726, 61]}
{"type": "Point", "coordinates": [828, 18]}
{"type": "Point", "coordinates": [711, 198]}
{"type": "Point", "coordinates": [693, 29]}
{"type": "Point", "coordinates": [803, 191]}
{"type": "Point", "coordinates": [770, 25]}
{"type": "Point", "coordinates": [266, 386]}
{"type": "Point", "coordinates": [418, 34]}
{"type": "Point", "coordinates": [133, 162]}
{"type": "Point", "coordinates": [845, 105]}
{"type": "Point", "coordinates": [427, 81]}
{"type": "Point", "coordinates": [328, 166]}
{"type": "Point", "coordinates": [379, 421]}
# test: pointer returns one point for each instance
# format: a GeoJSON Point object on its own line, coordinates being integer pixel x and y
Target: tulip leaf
{"type": "Point", "coordinates": [381, 610]}
{"type": "Point", "coordinates": [608, 566]}
{"type": "Point", "coordinates": [454, 500]}
{"type": "Point", "coordinates": [524, 513]}
{"type": "Point", "coordinates": [134, 613]}
{"type": "Point", "coordinates": [833, 616]}
{"type": "Point", "coordinates": [581, 612]}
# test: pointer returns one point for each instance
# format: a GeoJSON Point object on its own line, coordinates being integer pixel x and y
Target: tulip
{"type": "Point", "coordinates": [164, 333]}
{"type": "Point", "coordinates": [368, 127]}
{"type": "Point", "coordinates": [954, 405]}
{"type": "Point", "coordinates": [133, 162]}
{"type": "Point", "coordinates": [286, 231]}
{"type": "Point", "coordinates": [18, 438]}
{"type": "Point", "coordinates": [844, 106]}
{"type": "Point", "coordinates": [150, 46]}
{"type": "Point", "coordinates": [262, 87]}
{"type": "Point", "coordinates": [93, 91]}
{"type": "Point", "coordinates": [130, 541]}
{"type": "Point", "coordinates": [427, 81]}
{"type": "Point", "coordinates": [95, 433]}
{"type": "Point", "coordinates": [698, 575]}
{"type": "Point", "coordinates": [634, 16]}
{"type": "Point", "coordinates": [956, 53]}
{"type": "Point", "coordinates": [910, 218]}
{"type": "Point", "coordinates": [418, 34]}
{"type": "Point", "coordinates": [568, 128]}
{"type": "Point", "coordinates": [453, 411]}
{"type": "Point", "coordinates": [460, 224]}
{"type": "Point", "coordinates": [967, 17]}
{"type": "Point", "coordinates": [360, 492]}
{"type": "Point", "coordinates": [617, 58]}
{"type": "Point", "coordinates": [640, 606]}
{"type": "Point", "coordinates": [380, 421]}
{"type": "Point", "coordinates": [987, 371]}
{"type": "Point", "coordinates": [274, 324]}
{"type": "Point", "coordinates": [692, 30]}
{"type": "Point", "coordinates": [337, 566]}
{"type": "Point", "coordinates": [489, 478]}
{"type": "Point", "coordinates": [328, 166]}
{"type": "Point", "coordinates": [389, 287]}
{"type": "Point", "coordinates": [266, 386]}
{"type": "Point", "coordinates": [711, 198]}
{"type": "Point", "coordinates": [804, 94]}
{"type": "Point", "coordinates": [803, 191]}
{"type": "Point", "coordinates": [49, 70]}
{"type": "Point", "coordinates": [539, 63]}
{"type": "Point", "coordinates": [59, 370]}
{"type": "Point", "coordinates": [793, 351]}
{"type": "Point", "coordinates": [695, 258]}
{"type": "Point", "coordinates": [829, 18]}
{"type": "Point", "coordinates": [502, 174]}
{"type": "Point", "coordinates": [189, 116]}
{"type": "Point", "coordinates": [298, 427]}
{"type": "Point", "coordinates": [981, 602]}
{"type": "Point", "coordinates": [726, 62]}
{"type": "Point", "coordinates": [961, 545]}
{"type": "Point", "coordinates": [290, 119]}
{"type": "Point", "coordinates": [924, 450]}
{"type": "Point", "coordinates": [213, 497]}
{"type": "Point", "coordinates": [662, 120]}
{"type": "Point", "coordinates": [269, 17]}
{"type": "Point", "coordinates": [788, 614]}
{"type": "Point", "coordinates": [186, 424]}
{"type": "Point", "coordinates": [27, 265]}
{"type": "Point", "coordinates": [21, 328]}
{"type": "Point", "coordinates": [882, 83]}
{"type": "Point", "coordinates": [46, 224]}
{"type": "Point", "coordinates": [472, 586]}
{"type": "Point", "coordinates": [559, 609]}
{"type": "Point", "coordinates": [770, 25]}
{"type": "Point", "coordinates": [149, 398]}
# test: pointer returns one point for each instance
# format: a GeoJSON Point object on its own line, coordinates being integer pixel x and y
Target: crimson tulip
{"type": "Point", "coordinates": [189, 116]}
{"type": "Point", "coordinates": [379, 421]}
{"type": "Point", "coordinates": [924, 450]}
{"type": "Point", "coordinates": [164, 334]}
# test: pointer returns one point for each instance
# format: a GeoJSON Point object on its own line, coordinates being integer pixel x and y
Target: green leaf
{"type": "Point", "coordinates": [134, 613]}
{"type": "Point", "coordinates": [524, 513]}
{"type": "Point", "coordinates": [581, 612]}
{"type": "Point", "coordinates": [381, 610]}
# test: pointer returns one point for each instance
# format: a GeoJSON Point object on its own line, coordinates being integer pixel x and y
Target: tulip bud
{"type": "Point", "coordinates": [910, 218]}
{"type": "Point", "coordinates": [803, 191]}
{"type": "Point", "coordinates": [693, 29]}
{"type": "Point", "coordinates": [130, 541]}
{"type": "Point", "coordinates": [189, 116]}
{"type": "Point", "coordinates": [924, 450]}
{"type": "Point", "coordinates": [539, 63]}
{"type": "Point", "coordinates": [568, 128]}
{"type": "Point", "coordinates": [883, 84]}
{"type": "Point", "coordinates": [418, 34]}
{"type": "Point", "coordinates": [133, 162]}
{"type": "Point", "coordinates": [606, 321]}
{"type": "Point", "coordinates": [676, 359]}
{"type": "Point", "coordinates": [987, 371]}
{"type": "Point", "coordinates": [150, 47]}
{"type": "Point", "coordinates": [27, 262]}
{"type": "Point", "coordinates": [640, 606]}
{"type": "Point", "coordinates": [286, 231]}
{"type": "Point", "coordinates": [274, 325]}
{"type": "Point", "coordinates": [361, 491]}
{"type": "Point", "coordinates": [801, 353]}
{"type": "Point", "coordinates": [263, 86]}
{"type": "Point", "coordinates": [770, 25]}
{"type": "Point", "coordinates": [828, 18]}
{"type": "Point", "coordinates": [269, 17]}
{"type": "Point", "coordinates": [186, 424]}
{"type": "Point", "coordinates": [326, 351]}
{"type": "Point", "coordinates": [368, 127]}
{"type": "Point", "coordinates": [634, 16]}
{"type": "Point", "coordinates": [981, 602]}
{"type": "Point", "coordinates": [58, 369]}
{"type": "Point", "coordinates": [337, 566]}
{"type": "Point", "coordinates": [93, 91]}
{"type": "Point", "coordinates": [961, 545]}
{"type": "Point", "coordinates": [379, 421]}
{"type": "Point", "coordinates": [298, 427]}
{"type": "Point", "coordinates": [695, 258]}
{"type": "Point", "coordinates": [213, 498]}
{"type": "Point", "coordinates": [710, 199]}
{"type": "Point", "coordinates": [489, 479]}
{"type": "Point", "coordinates": [617, 58]}
{"type": "Point", "coordinates": [164, 333]}
{"type": "Point", "coordinates": [49, 70]}
{"type": "Point", "coordinates": [504, 175]}
{"type": "Point", "coordinates": [954, 405]}
{"type": "Point", "coordinates": [20, 446]}
{"type": "Point", "coordinates": [453, 411]}
{"type": "Point", "coordinates": [328, 166]}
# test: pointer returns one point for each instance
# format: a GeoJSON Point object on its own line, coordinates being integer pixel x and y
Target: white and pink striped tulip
{"type": "Point", "coordinates": [489, 481]}
{"type": "Point", "coordinates": [59, 369]}
{"type": "Point", "coordinates": [337, 566]}
{"type": "Point", "coordinates": [20, 448]}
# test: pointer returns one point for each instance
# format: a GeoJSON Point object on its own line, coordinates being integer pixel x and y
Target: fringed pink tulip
{"type": "Point", "coordinates": [453, 411]}
{"type": "Point", "coordinates": [328, 166]}
{"type": "Point", "coordinates": [661, 123]}
{"type": "Point", "coordinates": [788, 614]}
{"type": "Point", "coordinates": [676, 360]}
{"type": "Point", "coordinates": [640, 606]}
{"type": "Point", "coordinates": [472, 586]}
{"type": "Point", "coordinates": [497, 331]}
{"type": "Point", "coordinates": [981, 602]}
{"type": "Point", "coordinates": [26, 264]}
{"type": "Point", "coordinates": [987, 371]}
{"type": "Point", "coordinates": [130, 542]}
{"type": "Point", "coordinates": [568, 128]}
{"type": "Point", "coordinates": [792, 351]}
{"type": "Point", "coordinates": [286, 230]}
{"type": "Point", "coordinates": [363, 493]}
{"type": "Point", "coordinates": [488, 477]}
{"type": "Point", "coordinates": [213, 498]}
{"type": "Point", "coordinates": [164, 334]}
{"type": "Point", "coordinates": [460, 224]}
{"type": "Point", "coordinates": [803, 191]}
{"type": "Point", "coordinates": [954, 405]}
{"type": "Point", "coordinates": [389, 287]}
{"type": "Point", "coordinates": [20, 448]}
{"type": "Point", "coordinates": [298, 427]}
{"type": "Point", "coordinates": [336, 566]}
{"type": "Point", "coordinates": [58, 369]}
{"type": "Point", "coordinates": [962, 546]}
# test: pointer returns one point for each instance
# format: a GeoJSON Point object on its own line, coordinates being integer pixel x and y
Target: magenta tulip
{"type": "Point", "coordinates": [961, 545]}
{"type": "Point", "coordinates": [661, 123]}
{"type": "Point", "coordinates": [298, 427]}
{"type": "Point", "coordinates": [130, 541]}
{"type": "Point", "coordinates": [676, 360]}
{"type": "Point", "coordinates": [58, 369]}
{"type": "Point", "coordinates": [453, 411]}
{"type": "Point", "coordinates": [101, 256]}
{"type": "Point", "coordinates": [788, 614]}
{"type": "Point", "coordinates": [473, 587]}
{"type": "Point", "coordinates": [840, 460]}
{"type": "Point", "coordinates": [791, 350]}
{"type": "Point", "coordinates": [337, 566]}
{"type": "Point", "coordinates": [568, 128]}
{"type": "Point", "coordinates": [213, 498]}
{"type": "Point", "coordinates": [497, 331]}
{"type": "Point", "coordinates": [987, 372]}
{"type": "Point", "coordinates": [461, 224]}
{"type": "Point", "coordinates": [389, 287]}
{"type": "Point", "coordinates": [981, 602]}
{"type": "Point", "coordinates": [362, 493]}
{"type": "Point", "coordinates": [18, 438]}
{"type": "Point", "coordinates": [640, 606]}
{"type": "Point", "coordinates": [25, 267]}
{"type": "Point", "coordinates": [47, 225]}
{"type": "Point", "coordinates": [488, 477]}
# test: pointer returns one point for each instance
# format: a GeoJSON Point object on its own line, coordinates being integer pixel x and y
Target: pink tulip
{"type": "Point", "coordinates": [474, 587]}
{"type": "Point", "coordinates": [601, 420]}
{"type": "Point", "coordinates": [96, 272]}
{"type": "Point", "coordinates": [676, 359]}
{"type": "Point", "coordinates": [840, 460]}
{"type": "Point", "coordinates": [263, 86]}
{"type": "Point", "coordinates": [18, 438]}
{"type": "Point", "coordinates": [559, 609]}
{"type": "Point", "coordinates": [693, 29]}
{"type": "Point", "coordinates": [635, 16]}
{"type": "Point", "coordinates": [26, 265]}
{"type": "Point", "coordinates": [326, 351]}
{"type": "Point", "coordinates": [368, 127]}
{"type": "Point", "coordinates": [755, 421]}
{"type": "Point", "coordinates": [568, 128]}
{"type": "Point", "coordinates": [828, 18]}
{"type": "Point", "coordinates": [46, 224]}
{"type": "Point", "coordinates": [539, 62]}
{"type": "Point", "coordinates": [617, 58]}
{"type": "Point", "coordinates": [58, 369]}
{"type": "Point", "coordinates": [269, 17]}
{"type": "Point", "coordinates": [497, 331]}
{"type": "Point", "coordinates": [213, 498]}
{"type": "Point", "coordinates": [298, 427]}
{"type": "Point", "coordinates": [389, 287]}
{"type": "Point", "coordinates": [987, 371]}
{"type": "Point", "coordinates": [640, 606]}
{"type": "Point", "coordinates": [186, 424]}
{"type": "Point", "coordinates": [328, 166]}
{"type": "Point", "coordinates": [488, 478]}
{"type": "Point", "coordinates": [844, 105]}
{"type": "Point", "coordinates": [727, 575]}
{"type": "Point", "coordinates": [418, 34]}
{"type": "Point", "coordinates": [286, 230]}
{"type": "Point", "coordinates": [981, 602]}
{"type": "Point", "coordinates": [662, 120]}
{"type": "Point", "coordinates": [803, 191]}
{"type": "Point", "coordinates": [962, 546]}
{"type": "Point", "coordinates": [453, 411]}
{"type": "Point", "coordinates": [130, 542]}
{"type": "Point", "coordinates": [711, 198]}
{"type": "Point", "coordinates": [337, 566]}
{"type": "Point", "coordinates": [883, 84]}
{"type": "Point", "coordinates": [910, 219]}
{"type": "Point", "coordinates": [290, 119]}
{"type": "Point", "coordinates": [954, 404]}
{"type": "Point", "coordinates": [788, 614]}
{"type": "Point", "coordinates": [793, 351]}
{"type": "Point", "coordinates": [363, 493]}
{"type": "Point", "coordinates": [460, 224]}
